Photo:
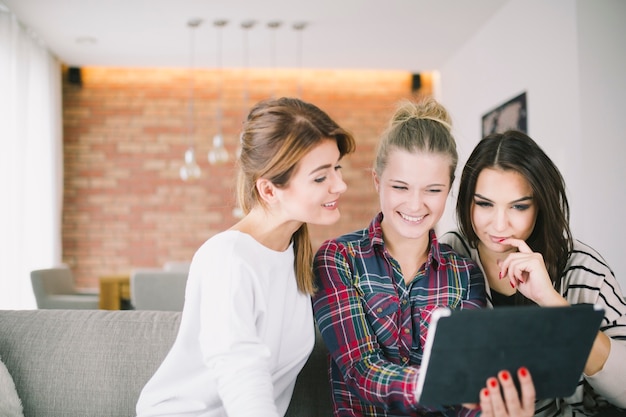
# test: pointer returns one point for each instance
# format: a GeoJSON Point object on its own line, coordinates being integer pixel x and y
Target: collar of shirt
{"type": "Point", "coordinates": [376, 238]}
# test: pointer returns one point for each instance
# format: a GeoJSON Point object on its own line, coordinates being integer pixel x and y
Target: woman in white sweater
{"type": "Point", "coordinates": [247, 325]}
{"type": "Point", "coordinates": [513, 217]}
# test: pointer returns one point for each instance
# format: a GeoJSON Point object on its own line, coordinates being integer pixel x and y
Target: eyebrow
{"type": "Point", "coordinates": [519, 200]}
{"type": "Point", "coordinates": [320, 168]}
{"type": "Point", "coordinates": [427, 185]}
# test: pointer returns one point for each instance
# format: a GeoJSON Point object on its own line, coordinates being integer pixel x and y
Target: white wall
{"type": "Point", "coordinates": [566, 55]}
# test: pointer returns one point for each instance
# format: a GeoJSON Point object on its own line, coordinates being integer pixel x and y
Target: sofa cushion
{"type": "Point", "coordinates": [84, 363]}
{"type": "Point", "coordinates": [10, 404]}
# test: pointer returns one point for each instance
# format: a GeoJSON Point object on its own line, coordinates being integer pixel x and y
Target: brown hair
{"type": "Point", "coordinates": [277, 134]}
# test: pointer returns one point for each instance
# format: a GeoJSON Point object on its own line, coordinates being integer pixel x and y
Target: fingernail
{"type": "Point", "coordinates": [523, 371]}
{"type": "Point", "coordinates": [512, 285]}
{"type": "Point", "coordinates": [505, 375]}
{"type": "Point", "coordinates": [501, 240]}
{"type": "Point", "coordinates": [493, 383]}
{"type": "Point", "coordinates": [500, 275]}
{"type": "Point", "coordinates": [486, 392]}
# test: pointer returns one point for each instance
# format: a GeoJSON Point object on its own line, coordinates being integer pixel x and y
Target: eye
{"type": "Point", "coordinates": [521, 207]}
{"type": "Point", "coordinates": [482, 203]}
{"type": "Point", "coordinates": [320, 179]}
{"type": "Point", "coordinates": [434, 190]}
{"type": "Point", "coordinates": [399, 187]}
{"type": "Point", "coordinates": [338, 167]}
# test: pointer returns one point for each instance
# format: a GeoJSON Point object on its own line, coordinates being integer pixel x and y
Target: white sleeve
{"type": "Point", "coordinates": [232, 302]}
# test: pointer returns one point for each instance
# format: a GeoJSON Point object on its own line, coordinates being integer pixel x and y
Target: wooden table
{"type": "Point", "coordinates": [114, 291]}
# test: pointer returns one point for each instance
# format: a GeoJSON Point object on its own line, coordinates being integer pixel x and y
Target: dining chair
{"type": "Point", "coordinates": [54, 288]}
{"type": "Point", "coordinates": [157, 289]}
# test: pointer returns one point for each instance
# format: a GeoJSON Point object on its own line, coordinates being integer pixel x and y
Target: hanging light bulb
{"type": "Point", "coordinates": [190, 169]}
{"type": "Point", "coordinates": [218, 153]}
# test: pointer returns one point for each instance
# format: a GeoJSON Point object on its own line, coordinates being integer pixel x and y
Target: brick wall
{"type": "Point", "coordinates": [125, 133]}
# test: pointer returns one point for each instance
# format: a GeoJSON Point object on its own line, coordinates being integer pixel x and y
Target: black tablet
{"type": "Point", "coordinates": [465, 347]}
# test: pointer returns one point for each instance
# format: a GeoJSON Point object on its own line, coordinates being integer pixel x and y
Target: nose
{"type": "Point", "coordinates": [338, 185]}
{"type": "Point", "coordinates": [414, 201]}
{"type": "Point", "coordinates": [501, 220]}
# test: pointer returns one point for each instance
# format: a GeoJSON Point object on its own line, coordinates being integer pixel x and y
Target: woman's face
{"type": "Point", "coordinates": [312, 193]}
{"type": "Point", "coordinates": [413, 190]}
{"type": "Point", "coordinates": [503, 207]}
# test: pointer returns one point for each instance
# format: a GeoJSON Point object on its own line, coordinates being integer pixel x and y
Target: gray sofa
{"type": "Point", "coordinates": [88, 363]}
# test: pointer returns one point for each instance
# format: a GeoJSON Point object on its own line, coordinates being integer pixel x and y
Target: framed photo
{"type": "Point", "coordinates": [510, 115]}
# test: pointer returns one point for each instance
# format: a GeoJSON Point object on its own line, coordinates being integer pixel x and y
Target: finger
{"type": "Point", "coordinates": [520, 244]}
{"type": "Point", "coordinates": [511, 396]}
{"type": "Point", "coordinates": [497, 403]}
{"type": "Point", "coordinates": [485, 403]}
{"type": "Point", "coordinates": [527, 387]}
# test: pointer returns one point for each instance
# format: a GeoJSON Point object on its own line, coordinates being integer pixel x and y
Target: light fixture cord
{"type": "Point", "coordinates": [246, 65]}
{"type": "Point", "coordinates": [299, 59]}
{"type": "Point", "coordinates": [220, 80]}
{"type": "Point", "coordinates": [273, 26]}
{"type": "Point", "coordinates": [190, 107]}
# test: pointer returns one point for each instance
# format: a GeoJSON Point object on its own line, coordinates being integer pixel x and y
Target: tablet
{"type": "Point", "coordinates": [465, 347]}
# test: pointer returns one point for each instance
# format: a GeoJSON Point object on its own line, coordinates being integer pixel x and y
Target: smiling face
{"type": "Point", "coordinates": [312, 193]}
{"type": "Point", "coordinates": [503, 207]}
{"type": "Point", "coordinates": [413, 190]}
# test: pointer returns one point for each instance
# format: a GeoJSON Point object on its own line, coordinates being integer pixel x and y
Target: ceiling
{"type": "Point", "coordinates": [413, 35]}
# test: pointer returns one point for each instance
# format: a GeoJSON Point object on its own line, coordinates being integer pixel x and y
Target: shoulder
{"type": "Point", "coordinates": [236, 247]}
{"type": "Point", "coordinates": [583, 254]}
{"type": "Point", "coordinates": [587, 278]}
{"type": "Point", "coordinates": [225, 242]}
{"type": "Point", "coordinates": [457, 242]}
{"type": "Point", "coordinates": [585, 259]}
{"type": "Point", "coordinates": [358, 238]}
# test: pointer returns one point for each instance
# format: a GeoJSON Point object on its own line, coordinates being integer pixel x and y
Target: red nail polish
{"type": "Point", "coordinates": [486, 392]}
{"type": "Point", "coordinates": [505, 375]}
{"type": "Point", "coordinates": [501, 240]}
{"type": "Point", "coordinates": [493, 383]}
{"type": "Point", "coordinates": [523, 371]}
{"type": "Point", "coordinates": [500, 275]}
{"type": "Point", "coordinates": [512, 285]}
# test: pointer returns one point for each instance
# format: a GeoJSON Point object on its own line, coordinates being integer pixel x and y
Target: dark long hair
{"type": "Point", "coordinates": [277, 134]}
{"type": "Point", "coordinates": [515, 151]}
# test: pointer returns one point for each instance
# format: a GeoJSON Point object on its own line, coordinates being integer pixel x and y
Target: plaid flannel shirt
{"type": "Point", "coordinates": [375, 326]}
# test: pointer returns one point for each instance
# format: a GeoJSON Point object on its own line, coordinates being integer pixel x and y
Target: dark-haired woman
{"type": "Point", "coordinates": [513, 217]}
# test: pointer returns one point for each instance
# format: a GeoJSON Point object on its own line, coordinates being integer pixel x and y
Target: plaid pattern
{"type": "Point", "coordinates": [375, 326]}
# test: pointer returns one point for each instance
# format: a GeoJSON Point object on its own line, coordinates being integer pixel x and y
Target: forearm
{"type": "Point", "coordinates": [598, 355]}
{"type": "Point", "coordinates": [610, 380]}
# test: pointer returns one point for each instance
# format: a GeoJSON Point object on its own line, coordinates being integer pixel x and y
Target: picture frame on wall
{"type": "Point", "coordinates": [509, 115]}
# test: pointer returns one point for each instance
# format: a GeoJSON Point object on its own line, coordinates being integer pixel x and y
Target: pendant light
{"type": "Point", "coordinates": [218, 153]}
{"type": "Point", "coordinates": [190, 169]}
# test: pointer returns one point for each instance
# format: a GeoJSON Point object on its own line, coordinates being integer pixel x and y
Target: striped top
{"type": "Point", "coordinates": [587, 279]}
{"type": "Point", "coordinates": [375, 326]}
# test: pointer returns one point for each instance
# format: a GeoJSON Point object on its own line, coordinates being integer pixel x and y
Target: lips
{"type": "Point", "coordinates": [413, 219]}
{"type": "Point", "coordinates": [497, 239]}
{"type": "Point", "coordinates": [332, 204]}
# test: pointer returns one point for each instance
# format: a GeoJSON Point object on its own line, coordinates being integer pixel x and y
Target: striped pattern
{"type": "Point", "coordinates": [587, 279]}
{"type": "Point", "coordinates": [375, 326]}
